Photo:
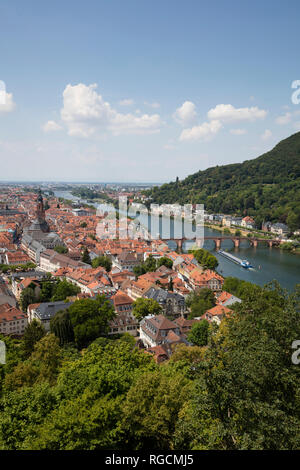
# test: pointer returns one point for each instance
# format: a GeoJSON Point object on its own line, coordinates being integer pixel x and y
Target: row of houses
{"type": "Point", "coordinates": [247, 222]}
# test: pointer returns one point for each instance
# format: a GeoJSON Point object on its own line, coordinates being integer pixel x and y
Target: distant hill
{"type": "Point", "coordinates": [267, 188]}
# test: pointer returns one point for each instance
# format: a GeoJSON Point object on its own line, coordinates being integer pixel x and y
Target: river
{"type": "Point", "coordinates": [268, 263]}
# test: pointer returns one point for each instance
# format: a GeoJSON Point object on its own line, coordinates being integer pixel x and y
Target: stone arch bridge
{"type": "Point", "coordinates": [219, 239]}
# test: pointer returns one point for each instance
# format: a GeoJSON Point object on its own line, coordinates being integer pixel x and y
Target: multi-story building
{"type": "Point", "coordinates": [43, 312]}
{"type": "Point", "coordinates": [248, 222]}
{"type": "Point", "coordinates": [208, 278]}
{"type": "Point", "coordinates": [127, 260]}
{"type": "Point", "coordinates": [50, 261]}
{"type": "Point", "coordinates": [156, 330]}
{"type": "Point", "coordinates": [280, 229]}
{"type": "Point", "coordinates": [172, 304]}
{"type": "Point", "coordinates": [216, 314]}
{"type": "Point", "coordinates": [12, 321]}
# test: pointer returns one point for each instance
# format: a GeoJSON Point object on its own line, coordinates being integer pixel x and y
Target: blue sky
{"type": "Point", "coordinates": [134, 90]}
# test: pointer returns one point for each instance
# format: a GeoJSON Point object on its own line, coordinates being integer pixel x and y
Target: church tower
{"type": "Point", "coordinates": [40, 210]}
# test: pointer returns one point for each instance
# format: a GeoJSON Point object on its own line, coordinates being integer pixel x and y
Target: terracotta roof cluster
{"type": "Point", "coordinates": [202, 278]}
{"type": "Point", "coordinates": [158, 327]}
{"type": "Point", "coordinates": [8, 313]}
{"type": "Point", "coordinates": [219, 312]}
{"type": "Point", "coordinates": [120, 299]}
{"type": "Point", "coordinates": [17, 257]}
{"type": "Point", "coordinates": [160, 353]}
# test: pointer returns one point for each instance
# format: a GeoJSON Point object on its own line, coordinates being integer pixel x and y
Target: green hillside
{"type": "Point", "coordinates": [267, 188]}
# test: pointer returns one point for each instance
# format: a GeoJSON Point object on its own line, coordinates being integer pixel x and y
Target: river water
{"type": "Point", "coordinates": [268, 263]}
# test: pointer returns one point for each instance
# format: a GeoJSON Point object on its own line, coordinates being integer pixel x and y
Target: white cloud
{"type": "Point", "coordinates": [238, 131]}
{"type": "Point", "coordinates": [186, 114]}
{"type": "Point", "coordinates": [284, 119]}
{"type": "Point", "coordinates": [126, 102]}
{"type": "Point", "coordinates": [85, 113]}
{"type": "Point", "coordinates": [7, 103]}
{"type": "Point", "coordinates": [228, 113]}
{"type": "Point", "coordinates": [204, 131]}
{"type": "Point", "coordinates": [266, 135]}
{"type": "Point", "coordinates": [51, 126]}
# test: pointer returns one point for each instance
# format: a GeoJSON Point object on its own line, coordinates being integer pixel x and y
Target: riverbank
{"type": "Point", "coordinates": [268, 263]}
{"type": "Point", "coordinates": [243, 233]}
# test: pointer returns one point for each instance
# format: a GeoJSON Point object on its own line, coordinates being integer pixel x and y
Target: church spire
{"type": "Point", "coordinates": [40, 210]}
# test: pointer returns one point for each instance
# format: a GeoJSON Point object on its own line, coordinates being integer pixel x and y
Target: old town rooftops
{"type": "Point", "coordinates": [9, 313]}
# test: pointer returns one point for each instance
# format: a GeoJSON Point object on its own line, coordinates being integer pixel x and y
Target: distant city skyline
{"type": "Point", "coordinates": [143, 91]}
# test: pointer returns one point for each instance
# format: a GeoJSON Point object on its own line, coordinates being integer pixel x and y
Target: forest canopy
{"type": "Point", "coordinates": [266, 188]}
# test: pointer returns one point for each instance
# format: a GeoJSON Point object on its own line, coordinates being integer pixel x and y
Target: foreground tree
{"type": "Point", "coordinates": [62, 327]}
{"type": "Point", "coordinates": [165, 261]}
{"type": "Point", "coordinates": [199, 333]}
{"type": "Point", "coordinates": [152, 407]}
{"type": "Point", "coordinates": [85, 258]}
{"type": "Point", "coordinates": [64, 289]}
{"type": "Point", "coordinates": [200, 301]}
{"type": "Point", "coordinates": [205, 258]}
{"type": "Point", "coordinates": [103, 261]}
{"type": "Point", "coordinates": [143, 307]}
{"type": "Point", "coordinates": [32, 334]}
{"type": "Point", "coordinates": [248, 389]}
{"type": "Point", "coordinates": [27, 297]}
{"type": "Point", "coordinates": [90, 319]}
{"type": "Point", "coordinates": [41, 366]}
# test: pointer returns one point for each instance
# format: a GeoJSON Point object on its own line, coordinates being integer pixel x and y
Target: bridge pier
{"type": "Point", "coordinates": [236, 242]}
{"type": "Point", "coordinates": [199, 242]}
{"type": "Point", "coordinates": [179, 245]}
{"type": "Point", "coordinates": [218, 243]}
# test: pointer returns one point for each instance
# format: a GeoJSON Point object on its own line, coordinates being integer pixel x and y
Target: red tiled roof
{"type": "Point", "coordinates": [120, 298]}
{"type": "Point", "coordinates": [8, 313]}
{"type": "Point", "coordinates": [219, 310]}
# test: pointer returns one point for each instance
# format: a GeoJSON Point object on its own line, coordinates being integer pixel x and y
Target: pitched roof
{"type": "Point", "coordinates": [120, 298]}
{"type": "Point", "coordinates": [162, 323]}
{"type": "Point", "coordinates": [219, 310]}
{"type": "Point", "coordinates": [173, 337]}
{"type": "Point", "coordinates": [9, 313]}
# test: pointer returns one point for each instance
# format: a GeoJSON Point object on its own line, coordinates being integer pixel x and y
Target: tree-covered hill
{"type": "Point", "coordinates": [241, 391]}
{"type": "Point", "coordinates": [267, 188]}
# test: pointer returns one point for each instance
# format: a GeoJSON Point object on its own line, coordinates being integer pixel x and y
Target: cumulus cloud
{"type": "Point", "coordinates": [126, 102]}
{"type": "Point", "coordinates": [185, 114]}
{"type": "Point", "coordinates": [204, 131]}
{"type": "Point", "coordinates": [238, 131]}
{"type": "Point", "coordinates": [228, 113]}
{"type": "Point", "coordinates": [266, 135]}
{"type": "Point", "coordinates": [51, 126]}
{"type": "Point", "coordinates": [85, 113]}
{"type": "Point", "coordinates": [284, 119]}
{"type": "Point", "coordinates": [7, 103]}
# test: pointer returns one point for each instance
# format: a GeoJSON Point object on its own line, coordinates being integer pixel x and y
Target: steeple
{"type": "Point", "coordinates": [40, 210]}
